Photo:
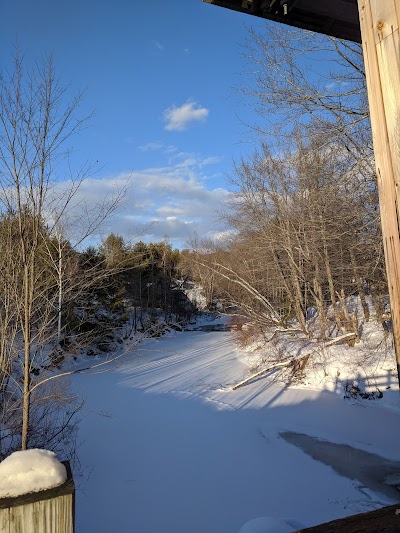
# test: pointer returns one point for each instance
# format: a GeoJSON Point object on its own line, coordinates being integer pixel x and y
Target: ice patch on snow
{"type": "Point", "coordinates": [29, 471]}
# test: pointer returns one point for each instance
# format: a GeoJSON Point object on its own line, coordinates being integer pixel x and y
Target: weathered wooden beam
{"type": "Point", "coordinates": [386, 520]}
{"type": "Point", "coordinates": [338, 18]}
{"type": "Point", "coordinates": [379, 21]}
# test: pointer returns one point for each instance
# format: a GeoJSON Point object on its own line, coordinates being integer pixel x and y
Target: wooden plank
{"type": "Point", "coordinates": [5, 522]}
{"type": "Point", "coordinates": [386, 520]}
{"type": "Point", "coordinates": [379, 21]}
{"type": "Point", "coordinates": [340, 10]}
{"type": "Point", "coordinates": [44, 516]}
{"type": "Point", "coordinates": [384, 14]}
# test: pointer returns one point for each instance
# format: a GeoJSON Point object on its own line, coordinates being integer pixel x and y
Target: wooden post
{"type": "Point", "coordinates": [47, 511]}
{"type": "Point", "coordinates": [379, 21]}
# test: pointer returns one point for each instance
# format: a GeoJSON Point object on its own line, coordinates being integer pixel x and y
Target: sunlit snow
{"type": "Point", "coordinates": [167, 445]}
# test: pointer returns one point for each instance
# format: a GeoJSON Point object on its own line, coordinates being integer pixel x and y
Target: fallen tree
{"type": "Point", "coordinates": [297, 364]}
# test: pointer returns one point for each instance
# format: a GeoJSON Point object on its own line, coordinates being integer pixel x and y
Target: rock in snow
{"type": "Point", "coordinates": [30, 471]}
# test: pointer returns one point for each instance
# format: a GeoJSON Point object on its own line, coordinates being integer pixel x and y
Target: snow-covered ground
{"type": "Point", "coordinates": [168, 446]}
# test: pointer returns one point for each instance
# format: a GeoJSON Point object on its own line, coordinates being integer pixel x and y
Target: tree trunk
{"type": "Point", "coordinates": [60, 291]}
{"type": "Point", "coordinates": [319, 300]}
{"type": "Point", "coordinates": [332, 289]}
{"type": "Point", "coordinates": [27, 361]}
{"type": "Point", "coordinates": [359, 286]}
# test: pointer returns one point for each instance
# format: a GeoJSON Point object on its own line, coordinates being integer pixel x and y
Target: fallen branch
{"type": "Point", "coordinates": [343, 338]}
{"type": "Point", "coordinates": [262, 373]}
{"type": "Point", "coordinates": [298, 365]}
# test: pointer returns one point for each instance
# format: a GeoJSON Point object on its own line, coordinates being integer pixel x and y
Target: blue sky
{"type": "Point", "coordinates": [159, 77]}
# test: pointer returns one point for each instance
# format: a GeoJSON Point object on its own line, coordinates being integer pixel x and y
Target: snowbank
{"type": "Point", "coordinates": [30, 471]}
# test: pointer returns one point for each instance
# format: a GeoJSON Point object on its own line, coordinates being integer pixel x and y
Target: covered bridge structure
{"type": "Point", "coordinates": [338, 18]}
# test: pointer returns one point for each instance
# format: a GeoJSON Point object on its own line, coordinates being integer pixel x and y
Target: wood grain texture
{"type": "Point", "coordinates": [44, 516]}
{"type": "Point", "coordinates": [379, 22]}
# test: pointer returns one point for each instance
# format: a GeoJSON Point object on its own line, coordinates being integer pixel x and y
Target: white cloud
{"type": "Point", "coordinates": [220, 237]}
{"type": "Point", "coordinates": [168, 201]}
{"type": "Point", "coordinates": [157, 146]}
{"type": "Point", "coordinates": [213, 160]}
{"type": "Point", "coordinates": [150, 147]}
{"type": "Point", "coordinates": [187, 159]}
{"type": "Point", "coordinates": [179, 118]}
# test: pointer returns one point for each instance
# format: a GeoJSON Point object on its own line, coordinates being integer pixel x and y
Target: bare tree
{"type": "Point", "coordinates": [306, 223]}
{"type": "Point", "coordinates": [40, 273]}
{"type": "Point", "coordinates": [297, 77]}
{"type": "Point", "coordinates": [306, 202]}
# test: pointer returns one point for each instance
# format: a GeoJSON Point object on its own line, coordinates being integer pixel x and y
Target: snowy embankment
{"type": "Point", "coordinates": [167, 445]}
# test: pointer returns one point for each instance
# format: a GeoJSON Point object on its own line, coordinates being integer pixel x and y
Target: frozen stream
{"type": "Point", "coordinates": [167, 447]}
